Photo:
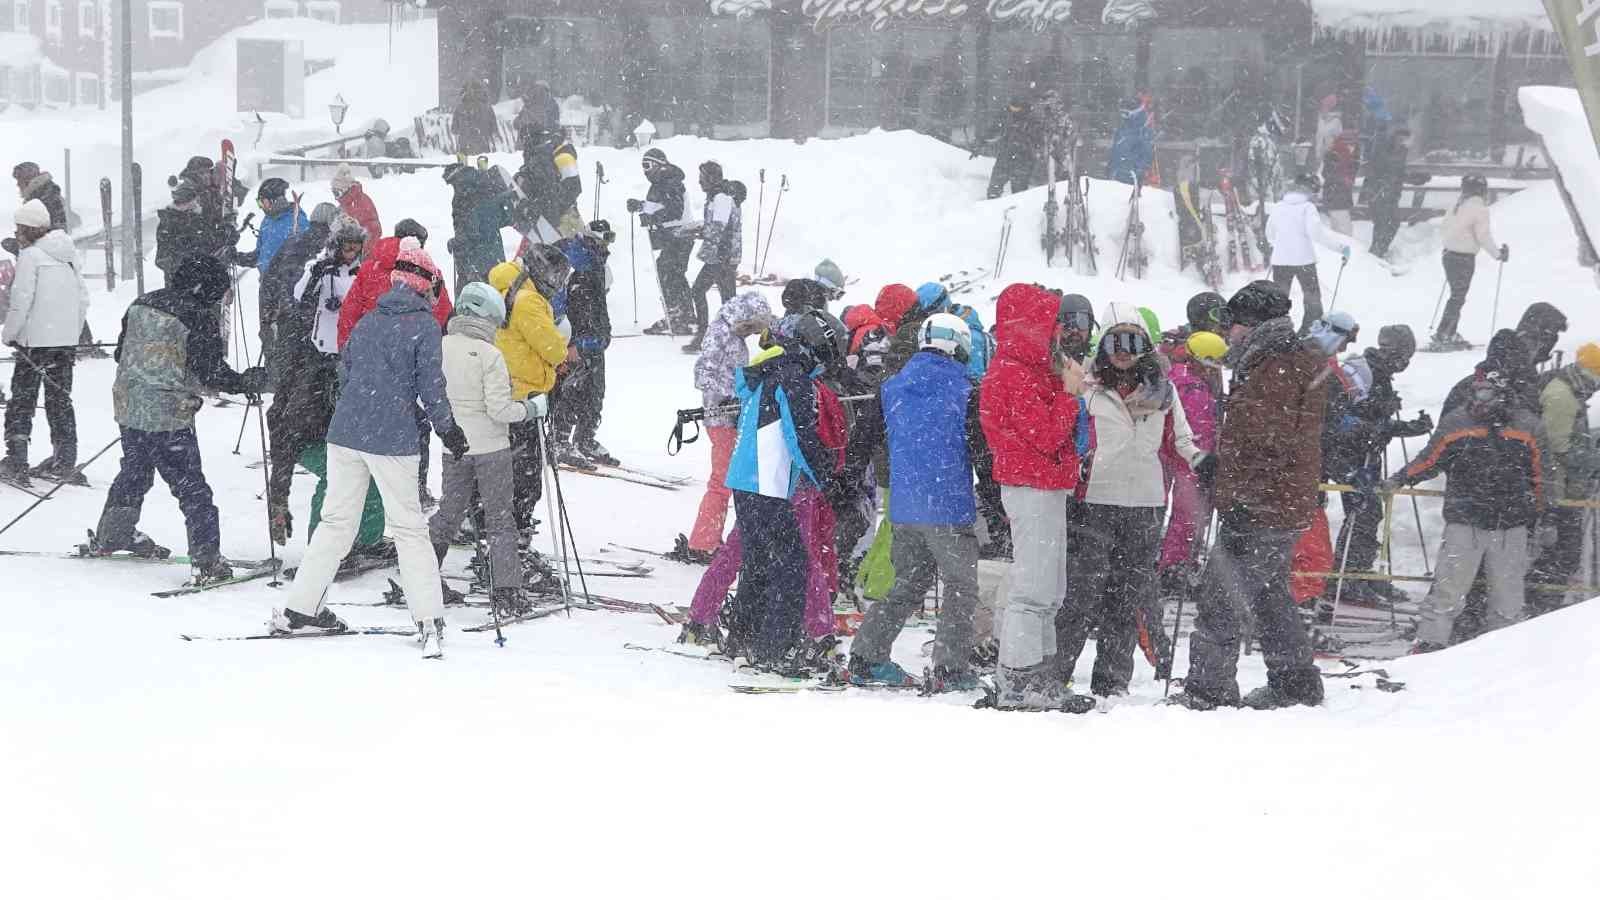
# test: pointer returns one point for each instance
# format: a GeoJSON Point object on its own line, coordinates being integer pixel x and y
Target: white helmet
{"type": "Point", "coordinates": [946, 333]}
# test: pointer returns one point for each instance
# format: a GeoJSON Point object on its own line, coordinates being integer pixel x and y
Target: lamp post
{"type": "Point", "coordinates": [336, 111]}
{"type": "Point", "coordinates": [644, 133]}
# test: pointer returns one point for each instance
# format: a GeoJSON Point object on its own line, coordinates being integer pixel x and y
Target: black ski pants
{"type": "Point", "coordinates": [1557, 562]}
{"type": "Point", "coordinates": [712, 275]}
{"type": "Point", "coordinates": [1385, 224]}
{"type": "Point", "coordinates": [580, 399]}
{"type": "Point", "coordinates": [1310, 290]}
{"type": "Point", "coordinates": [1111, 571]}
{"type": "Point", "coordinates": [176, 455]}
{"type": "Point", "coordinates": [50, 369]}
{"type": "Point", "coordinates": [527, 483]}
{"type": "Point", "coordinates": [1363, 513]}
{"type": "Point", "coordinates": [769, 606]}
{"type": "Point", "coordinates": [1458, 271]}
{"type": "Point", "coordinates": [672, 267]}
{"type": "Point", "coordinates": [1249, 566]}
{"type": "Point", "coordinates": [1018, 173]}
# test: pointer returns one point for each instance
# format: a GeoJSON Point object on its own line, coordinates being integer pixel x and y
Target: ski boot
{"type": "Point", "coordinates": [693, 347]}
{"type": "Point", "coordinates": [695, 634]}
{"type": "Point", "coordinates": [383, 549]}
{"type": "Point", "coordinates": [941, 680]}
{"type": "Point", "coordinates": [212, 570]}
{"type": "Point", "coordinates": [61, 466]}
{"type": "Point", "coordinates": [139, 545]}
{"type": "Point", "coordinates": [885, 674]}
{"type": "Point", "coordinates": [1421, 647]}
{"type": "Point", "coordinates": [597, 453]}
{"type": "Point", "coordinates": [14, 467]}
{"type": "Point", "coordinates": [510, 602]}
{"type": "Point", "coordinates": [568, 455]}
{"type": "Point", "coordinates": [450, 595]}
{"type": "Point", "coordinates": [287, 621]}
{"type": "Point", "coordinates": [1036, 688]}
{"type": "Point", "coordinates": [821, 656]}
{"type": "Point", "coordinates": [659, 326]}
{"type": "Point", "coordinates": [430, 636]}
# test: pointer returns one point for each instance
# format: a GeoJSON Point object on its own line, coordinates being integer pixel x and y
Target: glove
{"type": "Point", "coordinates": [1345, 253]}
{"type": "Point", "coordinates": [1389, 485]}
{"type": "Point", "coordinates": [1205, 469]}
{"type": "Point", "coordinates": [454, 440]}
{"type": "Point", "coordinates": [256, 382]}
{"type": "Point", "coordinates": [635, 206]}
{"type": "Point", "coordinates": [1505, 252]}
{"type": "Point", "coordinates": [1421, 425]}
{"type": "Point", "coordinates": [538, 406]}
{"type": "Point", "coordinates": [282, 524]}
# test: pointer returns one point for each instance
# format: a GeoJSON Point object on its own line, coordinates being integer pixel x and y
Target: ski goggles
{"type": "Point", "coordinates": [1076, 321]}
{"type": "Point", "coordinates": [1134, 342]}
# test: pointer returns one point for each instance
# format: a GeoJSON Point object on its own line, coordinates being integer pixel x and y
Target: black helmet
{"type": "Point", "coordinates": [272, 189]}
{"type": "Point", "coordinates": [411, 228]}
{"type": "Point", "coordinates": [548, 269]}
{"type": "Point", "coordinates": [1257, 302]}
{"type": "Point", "coordinates": [1474, 185]}
{"type": "Point", "coordinates": [1075, 304]}
{"type": "Point", "coordinates": [1204, 309]}
{"type": "Point", "coordinates": [819, 332]}
{"type": "Point", "coordinates": [1309, 181]}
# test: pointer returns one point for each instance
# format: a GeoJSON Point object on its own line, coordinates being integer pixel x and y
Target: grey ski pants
{"type": "Point", "coordinates": [1504, 555]}
{"type": "Point", "coordinates": [1250, 565]}
{"type": "Point", "coordinates": [1112, 571]}
{"type": "Point", "coordinates": [491, 474]}
{"type": "Point", "coordinates": [1025, 618]}
{"type": "Point", "coordinates": [921, 553]}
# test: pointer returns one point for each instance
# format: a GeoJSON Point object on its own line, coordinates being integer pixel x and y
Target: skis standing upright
{"type": "Point", "coordinates": [1051, 240]}
{"type": "Point", "coordinates": [105, 217]}
{"type": "Point", "coordinates": [222, 178]}
{"type": "Point", "coordinates": [138, 227]}
{"type": "Point", "coordinates": [1133, 259]}
{"type": "Point", "coordinates": [1084, 256]}
{"type": "Point", "coordinates": [1240, 234]}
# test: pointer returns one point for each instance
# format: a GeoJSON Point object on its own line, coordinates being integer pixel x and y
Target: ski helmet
{"type": "Point", "coordinates": [1474, 185]}
{"type": "Point", "coordinates": [823, 336]}
{"type": "Point", "coordinates": [1255, 303]}
{"type": "Point", "coordinates": [1207, 345]}
{"type": "Point", "coordinates": [1308, 181]}
{"type": "Point", "coordinates": [272, 189]}
{"type": "Point", "coordinates": [547, 268]}
{"type": "Point", "coordinates": [1204, 309]}
{"type": "Point", "coordinates": [1076, 312]}
{"type": "Point", "coordinates": [946, 333]}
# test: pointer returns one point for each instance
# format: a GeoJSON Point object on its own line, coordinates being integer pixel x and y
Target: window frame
{"type": "Point", "coordinates": [269, 7]}
{"type": "Point", "coordinates": [313, 7]}
{"type": "Point", "coordinates": [155, 6]}
{"type": "Point", "coordinates": [20, 15]}
{"type": "Point", "coordinates": [53, 80]}
{"type": "Point", "coordinates": [58, 9]}
{"type": "Point", "coordinates": [79, 81]}
{"type": "Point", "coordinates": [89, 26]}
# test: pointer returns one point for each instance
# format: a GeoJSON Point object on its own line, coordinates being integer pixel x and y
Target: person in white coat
{"type": "Point", "coordinates": [1116, 530]}
{"type": "Point", "coordinates": [47, 311]}
{"type": "Point", "coordinates": [478, 385]}
{"type": "Point", "coordinates": [1294, 229]}
{"type": "Point", "coordinates": [1465, 231]}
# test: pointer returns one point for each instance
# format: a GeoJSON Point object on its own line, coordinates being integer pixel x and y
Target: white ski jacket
{"type": "Point", "coordinates": [478, 385]}
{"type": "Point", "coordinates": [1294, 229]}
{"type": "Point", "coordinates": [1466, 228]}
{"type": "Point", "coordinates": [48, 299]}
{"type": "Point", "coordinates": [1127, 462]}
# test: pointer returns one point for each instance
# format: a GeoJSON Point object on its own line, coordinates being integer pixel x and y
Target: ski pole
{"type": "Point", "coordinates": [1388, 551]}
{"type": "Point", "coordinates": [1437, 304]}
{"type": "Point", "coordinates": [761, 206]}
{"type": "Point", "coordinates": [1494, 315]}
{"type": "Point", "coordinates": [599, 179]}
{"type": "Point", "coordinates": [566, 520]}
{"type": "Point", "coordinates": [1338, 589]}
{"type": "Point", "coordinates": [1200, 540]}
{"type": "Point", "coordinates": [1337, 282]}
{"type": "Point", "coordinates": [633, 270]}
{"type": "Point", "coordinates": [61, 484]}
{"type": "Point", "coordinates": [1416, 510]}
{"type": "Point", "coordinates": [772, 229]}
{"type": "Point", "coordinates": [480, 550]}
{"type": "Point", "coordinates": [547, 468]}
{"type": "Point", "coordinates": [266, 481]}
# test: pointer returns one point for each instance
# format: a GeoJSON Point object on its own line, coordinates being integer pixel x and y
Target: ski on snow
{"type": "Point", "coordinates": [305, 633]}
{"type": "Point", "coordinates": [623, 475]}
{"type": "Point", "coordinates": [251, 575]}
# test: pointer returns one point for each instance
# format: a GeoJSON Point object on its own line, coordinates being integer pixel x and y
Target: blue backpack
{"type": "Point", "coordinates": [982, 342]}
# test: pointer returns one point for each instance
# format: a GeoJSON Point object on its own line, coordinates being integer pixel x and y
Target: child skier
{"type": "Point", "coordinates": [479, 387]}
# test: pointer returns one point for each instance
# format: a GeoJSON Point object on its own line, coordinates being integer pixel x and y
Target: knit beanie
{"type": "Point", "coordinates": [894, 301]}
{"type": "Point", "coordinates": [414, 268]}
{"type": "Point", "coordinates": [411, 228]}
{"type": "Point", "coordinates": [343, 179]}
{"type": "Point", "coordinates": [32, 215]}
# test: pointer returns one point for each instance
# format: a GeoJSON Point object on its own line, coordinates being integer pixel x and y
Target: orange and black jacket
{"type": "Point", "coordinates": [1499, 475]}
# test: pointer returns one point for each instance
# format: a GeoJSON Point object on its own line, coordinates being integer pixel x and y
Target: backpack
{"type": "Point", "coordinates": [736, 190]}
{"type": "Point", "coordinates": [982, 341]}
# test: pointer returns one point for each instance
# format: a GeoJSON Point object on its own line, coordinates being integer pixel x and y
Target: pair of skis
{"type": "Point", "coordinates": [1240, 234]}
{"type": "Point", "coordinates": [136, 177]}
{"type": "Point", "coordinates": [1134, 259]}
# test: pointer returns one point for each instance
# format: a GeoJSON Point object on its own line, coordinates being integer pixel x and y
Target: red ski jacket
{"type": "Point", "coordinates": [357, 205]}
{"type": "Point", "coordinates": [1028, 417]}
{"type": "Point", "coordinates": [372, 282]}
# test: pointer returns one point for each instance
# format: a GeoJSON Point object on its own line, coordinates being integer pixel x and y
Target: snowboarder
{"type": "Point", "coordinates": [169, 351]}
{"type": "Point", "coordinates": [1016, 150]}
{"type": "Point", "coordinates": [1294, 230]}
{"type": "Point", "coordinates": [547, 185]}
{"type": "Point", "coordinates": [724, 353]}
{"type": "Point", "coordinates": [721, 244]}
{"type": "Point", "coordinates": [931, 416]}
{"type": "Point", "coordinates": [1133, 147]}
{"type": "Point", "coordinates": [1266, 492]}
{"type": "Point", "coordinates": [533, 347]}
{"type": "Point", "coordinates": [1117, 525]}
{"type": "Point", "coordinates": [1029, 412]}
{"type": "Point", "coordinates": [281, 217]}
{"type": "Point", "coordinates": [1500, 477]}
{"type": "Point", "coordinates": [581, 393]}
{"type": "Point", "coordinates": [48, 305]}
{"type": "Point", "coordinates": [1340, 164]}
{"type": "Point", "coordinates": [1464, 232]}
{"type": "Point", "coordinates": [391, 363]}
{"type": "Point", "coordinates": [1386, 178]}
{"type": "Point", "coordinates": [474, 123]}
{"type": "Point", "coordinates": [479, 388]}
{"type": "Point", "coordinates": [1564, 409]}
{"type": "Point", "coordinates": [661, 212]}
{"type": "Point", "coordinates": [354, 202]}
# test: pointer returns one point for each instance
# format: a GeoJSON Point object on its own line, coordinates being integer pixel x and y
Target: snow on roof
{"type": "Point", "coordinates": [1457, 15]}
{"type": "Point", "coordinates": [19, 48]}
{"type": "Point", "coordinates": [1556, 113]}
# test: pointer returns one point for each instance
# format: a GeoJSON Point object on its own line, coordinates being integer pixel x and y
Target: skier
{"type": "Point", "coordinates": [1500, 475]}
{"type": "Point", "coordinates": [1029, 411]}
{"type": "Point", "coordinates": [1198, 385]}
{"type": "Point", "coordinates": [581, 394]}
{"type": "Point", "coordinates": [931, 415]}
{"type": "Point", "coordinates": [478, 211]}
{"type": "Point", "coordinates": [1133, 147]}
{"type": "Point", "coordinates": [280, 284]}
{"type": "Point", "coordinates": [170, 350]}
{"type": "Point", "coordinates": [548, 186]}
{"type": "Point", "coordinates": [721, 244]}
{"type": "Point", "coordinates": [1117, 524]}
{"type": "Point", "coordinates": [474, 123]}
{"type": "Point", "coordinates": [533, 347]}
{"type": "Point", "coordinates": [183, 229]}
{"type": "Point", "coordinates": [662, 212]}
{"type": "Point", "coordinates": [1016, 150]}
{"type": "Point", "coordinates": [1386, 178]}
{"type": "Point", "coordinates": [828, 274]}
{"type": "Point", "coordinates": [1564, 410]}
{"type": "Point", "coordinates": [1266, 489]}
{"type": "Point", "coordinates": [34, 183]}
{"type": "Point", "coordinates": [45, 316]}
{"type": "Point", "coordinates": [216, 235]}
{"type": "Point", "coordinates": [1465, 231]}
{"type": "Point", "coordinates": [8, 273]}
{"type": "Point", "coordinates": [779, 444]}
{"type": "Point", "coordinates": [391, 363]}
{"type": "Point", "coordinates": [724, 353]}
{"type": "Point", "coordinates": [1329, 126]}
{"type": "Point", "coordinates": [1340, 164]}
{"type": "Point", "coordinates": [1294, 230]}
{"type": "Point", "coordinates": [354, 202]}
{"type": "Point", "coordinates": [305, 366]}
{"type": "Point", "coordinates": [281, 217]}
{"type": "Point", "coordinates": [1363, 419]}
{"type": "Point", "coordinates": [479, 388]}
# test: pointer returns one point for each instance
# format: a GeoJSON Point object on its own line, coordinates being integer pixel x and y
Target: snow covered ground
{"type": "Point", "coordinates": [139, 765]}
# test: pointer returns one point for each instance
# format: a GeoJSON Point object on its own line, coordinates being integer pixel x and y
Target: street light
{"type": "Point", "coordinates": [336, 111]}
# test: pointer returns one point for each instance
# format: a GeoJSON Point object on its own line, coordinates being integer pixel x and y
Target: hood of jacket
{"type": "Point", "coordinates": [473, 327]}
{"type": "Point", "coordinates": [1270, 337]}
{"type": "Point", "coordinates": [1295, 197]}
{"type": "Point", "coordinates": [750, 306]}
{"type": "Point", "coordinates": [57, 245]}
{"type": "Point", "coordinates": [383, 254]}
{"type": "Point", "coordinates": [1025, 321]}
{"type": "Point", "coordinates": [666, 173]}
{"type": "Point", "coordinates": [400, 299]}
{"type": "Point", "coordinates": [786, 357]}
{"type": "Point", "coordinates": [38, 186]}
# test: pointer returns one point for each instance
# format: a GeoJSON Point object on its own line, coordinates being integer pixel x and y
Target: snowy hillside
{"type": "Point", "coordinates": [139, 765]}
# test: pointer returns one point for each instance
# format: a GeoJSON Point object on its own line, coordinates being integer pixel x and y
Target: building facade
{"type": "Point", "coordinates": [60, 53]}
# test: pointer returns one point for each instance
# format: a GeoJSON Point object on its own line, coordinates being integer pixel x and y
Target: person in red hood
{"type": "Point", "coordinates": [894, 301]}
{"type": "Point", "coordinates": [372, 281]}
{"type": "Point", "coordinates": [1029, 412]}
{"type": "Point", "coordinates": [355, 202]}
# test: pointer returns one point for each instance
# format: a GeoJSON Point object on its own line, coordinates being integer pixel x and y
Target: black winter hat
{"type": "Point", "coordinates": [25, 171]}
{"type": "Point", "coordinates": [202, 275]}
{"type": "Point", "coordinates": [801, 294]}
{"type": "Point", "coordinates": [1203, 309]}
{"type": "Point", "coordinates": [198, 166]}
{"type": "Point", "coordinates": [712, 170]}
{"type": "Point", "coordinates": [1257, 302]}
{"type": "Point", "coordinates": [272, 189]}
{"type": "Point", "coordinates": [1397, 340]}
{"type": "Point", "coordinates": [411, 228]}
{"type": "Point", "coordinates": [655, 153]}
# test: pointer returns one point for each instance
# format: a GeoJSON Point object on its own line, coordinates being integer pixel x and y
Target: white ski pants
{"type": "Point", "coordinates": [396, 476]}
{"type": "Point", "coordinates": [1025, 618]}
{"type": "Point", "coordinates": [1504, 555]}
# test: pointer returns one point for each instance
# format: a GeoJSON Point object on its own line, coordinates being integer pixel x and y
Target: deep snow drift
{"type": "Point", "coordinates": [139, 765]}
